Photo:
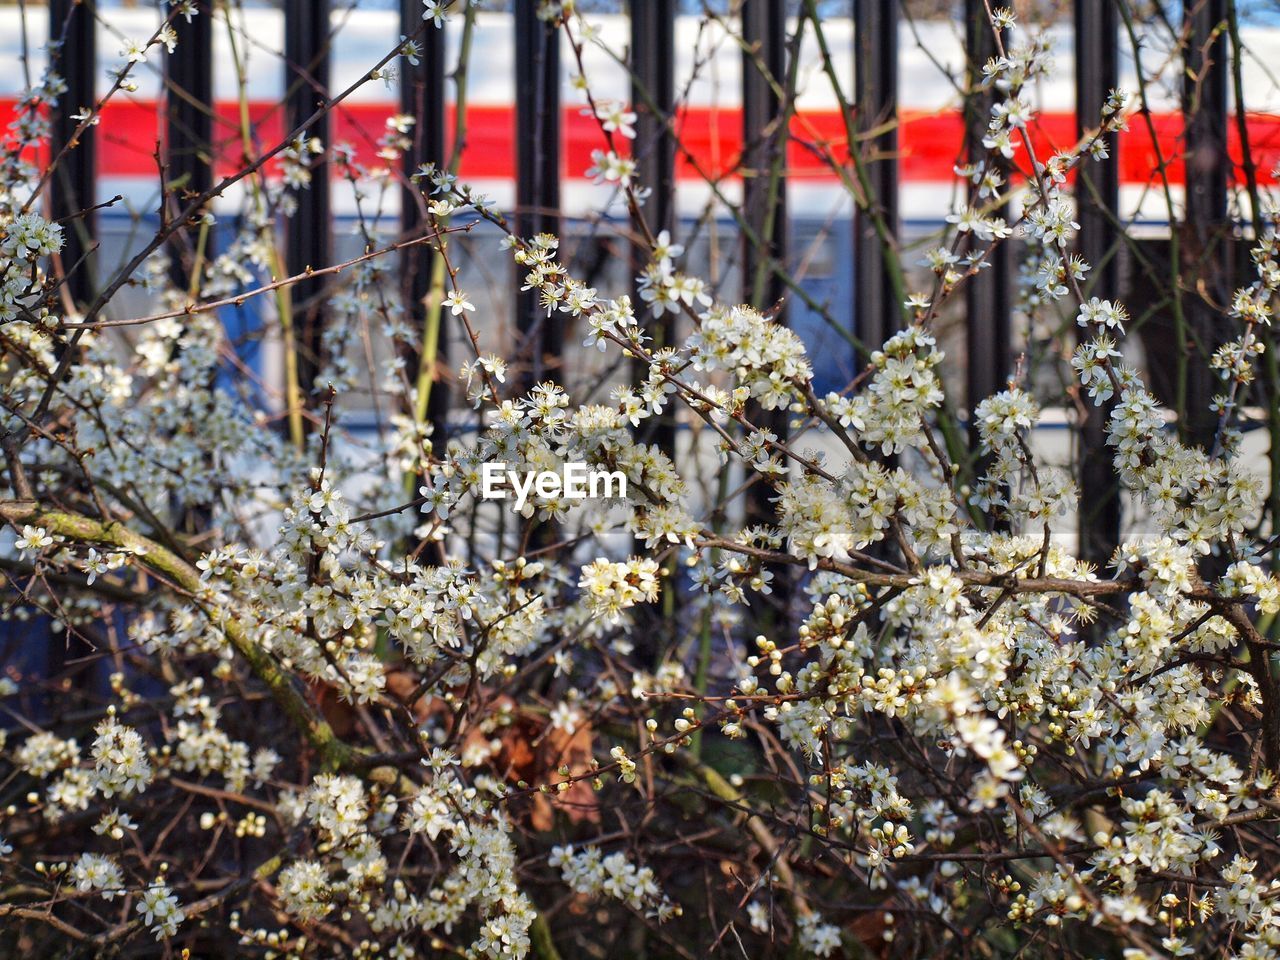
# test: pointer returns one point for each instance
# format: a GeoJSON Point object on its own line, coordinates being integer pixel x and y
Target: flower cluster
{"type": "Point", "coordinates": [613, 587]}
{"type": "Point", "coordinates": [593, 874]}
{"type": "Point", "coordinates": [25, 241]}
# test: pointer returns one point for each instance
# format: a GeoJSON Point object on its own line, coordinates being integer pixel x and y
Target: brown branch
{"type": "Point", "coordinates": [334, 752]}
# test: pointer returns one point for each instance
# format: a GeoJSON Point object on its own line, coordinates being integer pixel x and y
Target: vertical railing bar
{"type": "Point", "coordinates": [764, 35]}
{"type": "Point", "coordinates": [537, 178]}
{"type": "Point", "coordinates": [72, 187]}
{"type": "Point", "coordinates": [764, 27]}
{"type": "Point", "coordinates": [877, 314]}
{"type": "Point", "coordinates": [1206, 262]}
{"type": "Point", "coordinates": [988, 303]}
{"type": "Point", "coordinates": [71, 198]}
{"type": "Point", "coordinates": [1098, 208]}
{"type": "Point", "coordinates": [422, 97]}
{"type": "Point", "coordinates": [308, 233]}
{"type": "Point", "coordinates": [653, 100]}
{"type": "Point", "coordinates": [189, 109]}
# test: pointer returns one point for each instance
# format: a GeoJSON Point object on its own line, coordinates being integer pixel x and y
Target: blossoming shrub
{"type": "Point", "coordinates": [342, 720]}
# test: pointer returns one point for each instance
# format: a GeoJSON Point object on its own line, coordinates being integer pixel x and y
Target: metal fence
{"type": "Point", "coordinates": [878, 309]}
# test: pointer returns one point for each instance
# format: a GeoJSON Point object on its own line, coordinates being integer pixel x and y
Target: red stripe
{"type": "Point", "coordinates": [929, 142]}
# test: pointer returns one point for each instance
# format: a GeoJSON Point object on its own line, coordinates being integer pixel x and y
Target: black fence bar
{"type": "Point", "coordinates": [988, 300]}
{"type": "Point", "coordinates": [538, 154]}
{"type": "Point", "coordinates": [764, 31]}
{"type": "Point", "coordinates": [1097, 204]}
{"type": "Point", "coordinates": [1206, 259]}
{"type": "Point", "coordinates": [422, 97]}
{"type": "Point", "coordinates": [71, 198]}
{"type": "Point", "coordinates": [653, 86]}
{"type": "Point", "coordinates": [189, 128]}
{"type": "Point", "coordinates": [764, 206]}
{"type": "Point", "coordinates": [308, 234]}
{"type": "Point", "coordinates": [653, 99]}
{"type": "Point", "coordinates": [877, 312]}
{"type": "Point", "coordinates": [71, 188]}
